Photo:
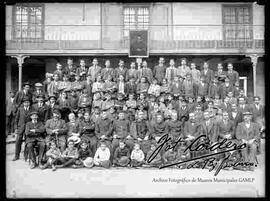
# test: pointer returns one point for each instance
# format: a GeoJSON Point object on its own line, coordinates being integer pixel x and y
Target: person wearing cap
{"type": "Point", "coordinates": [102, 156]}
{"type": "Point", "coordinates": [94, 70]}
{"type": "Point", "coordinates": [22, 117]}
{"type": "Point", "coordinates": [38, 91]}
{"type": "Point", "coordinates": [56, 130]}
{"type": "Point", "coordinates": [248, 132]}
{"type": "Point", "coordinates": [159, 70]}
{"type": "Point", "coordinates": [85, 100]}
{"type": "Point", "coordinates": [20, 95]}
{"type": "Point", "coordinates": [64, 105]}
{"type": "Point", "coordinates": [232, 74]}
{"type": "Point", "coordinates": [225, 88]}
{"type": "Point", "coordinates": [35, 136]}
{"type": "Point", "coordinates": [171, 71]}
{"type": "Point", "coordinates": [183, 69]}
{"type": "Point", "coordinates": [189, 86]}
{"type": "Point", "coordinates": [121, 156]}
{"type": "Point", "coordinates": [41, 108]}
{"type": "Point", "coordinates": [10, 113]}
{"type": "Point", "coordinates": [207, 73]}
{"type": "Point", "coordinates": [51, 106]}
{"type": "Point", "coordinates": [121, 131]}
{"type": "Point", "coordinates": [82, 70]}
{"type": "Point", "coordinates": [132, 72]}
{"type": "Point", "coordinates": [70, 70]}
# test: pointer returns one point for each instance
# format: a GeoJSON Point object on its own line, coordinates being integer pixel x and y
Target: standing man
{"type": "Point", "coordinates": [37, 92]}
{"type": "Point", "coordinates": [10, 113]}
{"type": "Point", "coordinates": [232, 74]}
{"type": "Point", "coordinates": [121, 70]}
{"type": "Point", "coordinates": [145, 72]}
{"type": "Point", "coordinates": [22, 117]}
{"type": "Point", "coordinates": [183, 69]}
{"type": "Point", "coordinates": [160, 70]}
{"type": "Point", "coordinates": [41, 108]}
{"type": "Point", "coordinates": [170, 72]}
{"type": "Point", "coordinates": [107, 71]}
{"type": "Point", "coordinates": [34, 131]}
{"type": "Point", "coordinates": [20, 95]}
{"type": "Point", "coordinates": [207, 73]}
{"type": "Point", "coordinates": [82, 70]}
{"type": "Point", "coordinates": [70, 70]}
{"type": "Point", "coordinates": [94, 70]}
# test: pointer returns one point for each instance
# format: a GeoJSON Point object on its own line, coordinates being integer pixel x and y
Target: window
{"type": "Point", "coordinates": [28, 21]}
{"type": "Point", "coordinates": [237, 22]}
{"type": "Point", "coordinates": [135, 18]}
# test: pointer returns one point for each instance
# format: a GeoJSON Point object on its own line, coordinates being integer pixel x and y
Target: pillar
{"type": "Point", "coordinates": [20, 60]}
{"type": "Point", "coordinates": [254, 60]}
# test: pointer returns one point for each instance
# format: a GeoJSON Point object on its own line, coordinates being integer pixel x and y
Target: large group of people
{"type": "Point", "coordinates": [103, 116]}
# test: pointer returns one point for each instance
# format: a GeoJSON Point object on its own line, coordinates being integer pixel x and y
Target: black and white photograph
{"type": "Point", "coordinates": [135, 100]}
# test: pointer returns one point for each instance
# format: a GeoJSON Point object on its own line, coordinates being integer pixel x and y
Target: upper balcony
{"type": "Point", "coordinates": [113, 39]}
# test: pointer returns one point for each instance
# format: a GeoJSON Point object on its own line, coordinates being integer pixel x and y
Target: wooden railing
{"type": "Point", "coordinates": [162, 37]}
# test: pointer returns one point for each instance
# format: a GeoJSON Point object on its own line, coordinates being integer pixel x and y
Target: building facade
{"type": "Point", "coordinates": [39, 35]}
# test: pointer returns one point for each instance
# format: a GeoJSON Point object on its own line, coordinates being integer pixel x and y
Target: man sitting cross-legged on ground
{"type": "Point", "coordinates": [137, 156]}
{"type": "Point", "coordinates": [102, 156]}
{"type": "Point", "coordinates": [121, 155]}
{"type": "Point", "coordinates": [52, 154]}
{"type": "Point", "coordinates": [68, 157]}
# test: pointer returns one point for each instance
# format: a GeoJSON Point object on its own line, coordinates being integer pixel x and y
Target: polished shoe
{"type": "Point", "coordinates": [15, 159]}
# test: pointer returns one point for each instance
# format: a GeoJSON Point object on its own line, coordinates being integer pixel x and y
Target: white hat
{"type": "Point", "coordinates": [75, 139]}
{"type": "Point", "coordinates": [88, 162]}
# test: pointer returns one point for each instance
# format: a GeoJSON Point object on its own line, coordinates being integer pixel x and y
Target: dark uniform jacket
{"type": "Point", "coordinates": [121, 152]}
{"type": "Point", "coordinates": [175, 128]}
{"type": "Point", "coordinates": [225, 129]}
{"type": "Point", "coordinates": [104, 127]}
{"type": "Point", "coordinates": [87, 128]}
{"type": "Point", "coordinates": [210, 130]}
{"type": "Point", "coordinates": [60, 124]}
{"type": "Point", "coordinates": [38, 135]}
{"type": "Point", "coordinates": [242, 132]}
{"type": "Point", "coordinates": [141, 129]}
{"type": "Point", "coordinates": [192, 129]}
{"type": "Point", "coordinates": [159, 129]}
{"type": "Point", "coordinates": [20, 96]}
{"type": "Point", "coordinates": [41, 111]}
{"type": "Point", "coordinates": [121, 128]}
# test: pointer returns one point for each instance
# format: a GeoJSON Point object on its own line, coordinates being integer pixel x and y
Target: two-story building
{"type": "Point", "coordinates": [39, 35]}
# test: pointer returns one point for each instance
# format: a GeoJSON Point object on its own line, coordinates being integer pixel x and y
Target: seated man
{"type": "Point", "coordinates": [121, 155]}
{"type": "Point", "coordinates": [56, 130]}
{"type": "Point", "coordinates": [170, 157]}
{"type": "Point", "coordinates": [34, 131]}
{"type": "Point", "coordinates": [68, 157]}
{"type": "Point", "coordinates": [159, 127]}
{"type": "Point", "coordinates": [121, 131]}
{"type": "Point", "coordinates": [88, 132]}
{"type": "Point", "coordinates": [73, 128]}
{"type": "Point", "coordinates": [102, 156]}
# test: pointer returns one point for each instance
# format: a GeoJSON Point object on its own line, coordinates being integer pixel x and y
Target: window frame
{"type": "Point", "coordinates": [14, 23]}
{"type": "Point", "coordinates": [237, 25]}
{"type": "Point", "coordinates": [136, 7]}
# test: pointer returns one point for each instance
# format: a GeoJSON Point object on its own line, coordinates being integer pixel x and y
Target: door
{"type": "Point", "coordinates": [243, 84]}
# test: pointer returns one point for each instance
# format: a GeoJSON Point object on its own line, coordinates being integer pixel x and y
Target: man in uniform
{"type": "Point", "coordinates": [34, 131]}
{"type": "Point", "coordinates": [22, 117]}
{"type": "Point", "coordinates": [41, 108]}
{"type": "Point", "coordinates": [56, 130]}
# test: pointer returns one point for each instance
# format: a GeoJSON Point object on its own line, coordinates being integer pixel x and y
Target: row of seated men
{"type": "Point", "coordinates": [131, 129]}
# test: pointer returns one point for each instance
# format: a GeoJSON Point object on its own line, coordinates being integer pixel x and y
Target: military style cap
{"type": "Point", "coordinates": [38, 85]}
{"type": "Point", "coordinates": [26, 83]}
{"type": "Point", "coordinates": [51, 96]}
{"type": "Point", "coordinates": [26, 98]}
{"type": "Point", "coordinates": [33, 112]}
{"type": "Point", "coordinates": [41, 96]}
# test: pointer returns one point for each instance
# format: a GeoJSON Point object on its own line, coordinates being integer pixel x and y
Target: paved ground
{"type": "Point", "coordinates": [87, 183]}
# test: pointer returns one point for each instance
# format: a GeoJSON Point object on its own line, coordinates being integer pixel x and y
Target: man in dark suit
{"type": "Point", "coordinates": [207, 73]}
{"type": "Point", "coordinates": [20, 95]}
{"type": "Point", "coordinates": [37, 92]}
{"type": "Point", "coordinates": [22, 117]}
{"type": "Point", "coordinates": [248, 132]}
{"type": "Point", "coordinates": [34, 131]}
{"type": "Point", "coordinates": [10, 113]}
{"type": "Point", "coordinates": [41, 108]}
{"type": "Point", "coordinates": [235, 115]}
{"type": "Point", "coordinates": [52, 106]}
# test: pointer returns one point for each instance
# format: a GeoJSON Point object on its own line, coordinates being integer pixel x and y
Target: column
{"type": "Point", "coordinates": [20, 59]}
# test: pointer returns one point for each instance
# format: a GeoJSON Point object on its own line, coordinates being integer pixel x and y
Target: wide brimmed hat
{"type": "Point", "coordinates": [88, 162]}
{"type": "Point", "coordinates": [75, 139]}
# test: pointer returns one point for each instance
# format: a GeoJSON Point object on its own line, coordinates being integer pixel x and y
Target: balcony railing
{"type": "Point", "coordinates": [113, 37]}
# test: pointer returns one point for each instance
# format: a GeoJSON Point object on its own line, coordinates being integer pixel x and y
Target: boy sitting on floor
{"type": "Point", "coordinates": [85, 158]}
{"type": "Point", "coordinates": [121, 155]}
{"type": "Point", "coordinates": [102, 156]}
{"type": "Point", "coordinates": [52, 154]}
{"type": "Point", "coordinates": [137, 156]}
